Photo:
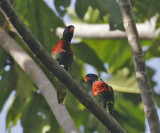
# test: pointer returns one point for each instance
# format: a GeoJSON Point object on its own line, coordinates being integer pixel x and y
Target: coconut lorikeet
{"type": "Point", "coordinates": [62, 53]}
{"type": "Point", "coordinates": [102, 92]}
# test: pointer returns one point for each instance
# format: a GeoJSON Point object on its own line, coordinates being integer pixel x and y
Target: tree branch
{"type": "Point", "coordinates": [57, 70]}
{"type": "Point", "coordinates": [40, 79]}
{"type": "Point", "coordinates": [140, 67]}
{"type": "Point", "coordinates": [102, 31]}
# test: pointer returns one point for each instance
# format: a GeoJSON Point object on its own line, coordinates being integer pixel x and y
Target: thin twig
{"type": "Point", "coordinates": [70, 83]}
{"type": "Point", "coordinates": [140, 67]}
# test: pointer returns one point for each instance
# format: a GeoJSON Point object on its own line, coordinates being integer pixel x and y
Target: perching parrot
{"type": "Point", "coordinates": [62, 53]}
{"type": "Point", "coordinates": [102, 92]}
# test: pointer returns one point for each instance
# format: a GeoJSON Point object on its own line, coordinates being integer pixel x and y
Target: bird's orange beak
{"type": "Point", "coordinates": [86, 79]}
{"type": "Point", "coordinates": [72, 29]}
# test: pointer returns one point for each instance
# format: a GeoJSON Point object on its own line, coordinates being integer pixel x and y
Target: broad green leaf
{"type": "Point", "coordinates": [154, 49]}
{"type": "Point", "coordinates": [15, 111]}
{"type": "Point", "coordinates": [124, 81]}
{"type": "Point", "coordinates": [7, 84]}
{"type": "Point", "coordinates": [141, 12]}
{"type": "Point", "coordinates": [151, 73]}
{"type": "Point", "coordinates": [156, 98]}
{"type": "Point", "coordinates": [81, 7]}
{"type": "Point", "coordinates": [114, 52]}
{"type": "Point", "coordinates": [73, 16]}
{"type": "Point", "coordinates": [77, 68]}
{"type": "Point", "coordinates": [24, 85]}
{"type": "Point", "coordinates": [37, 117]}
{"type": "Point", "coordinates": [115, 19]}
{"type": "Point", "coordinates": [92, 16]}
{"type": "Point", "coordinates": [24, 91]}
{"type": "Point", "coordinates": [95, 4]}
{"type": "Point", "coordinates": [41, 20]}
{"type": "Point", "coordinates": [61, 6]}
{"type": "Point", "coordinates": [158, 22]}
{"type": "Point", "coordinates": [105, 7]}
{"type": "Point", "coordinates": [3, 58]}
{"type": "Point", "coordinates": [129, 115]}
{"type": "Point", "coordinates": [87, 54]}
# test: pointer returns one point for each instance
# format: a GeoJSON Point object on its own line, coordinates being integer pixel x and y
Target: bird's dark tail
{"type": "Point", "coordinates": [61, 93]}
{"type": "Point", "coordinates": [110, 107]}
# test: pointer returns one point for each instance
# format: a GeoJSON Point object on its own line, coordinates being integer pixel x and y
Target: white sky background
{"type": "Point", "coordinates": [154, 63]}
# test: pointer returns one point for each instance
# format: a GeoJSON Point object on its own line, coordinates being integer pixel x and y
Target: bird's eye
{"type": "Point", "coordinates": [72, 29]}
{"type": "Point", "coordinates": [86, 79]}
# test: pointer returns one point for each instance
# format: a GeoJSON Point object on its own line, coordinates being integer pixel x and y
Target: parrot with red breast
{"type": "Point", "coordinates": [63, 54]}
{"type": "Point", "coordinates": [102, 92]}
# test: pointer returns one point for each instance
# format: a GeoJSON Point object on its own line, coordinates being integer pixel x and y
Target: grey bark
{"type": "Point", "coordinates": [39, 78]}
{"type": "Point", "coordinates": [140, 67]}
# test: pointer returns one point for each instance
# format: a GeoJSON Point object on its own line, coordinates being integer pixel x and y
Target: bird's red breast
{"type": "Point", "coordinates": [100, 86]}
{"type": "Point", "coordinates": [62, 46]}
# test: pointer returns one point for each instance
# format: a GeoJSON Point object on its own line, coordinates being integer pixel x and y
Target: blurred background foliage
{"type": "Point", "coordinates": [110, 57]}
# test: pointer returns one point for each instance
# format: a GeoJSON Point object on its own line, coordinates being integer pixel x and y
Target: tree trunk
{"type": "Point", "coordinates": [140, 67]}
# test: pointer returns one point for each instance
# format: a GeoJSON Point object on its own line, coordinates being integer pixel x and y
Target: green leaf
{"type": "Point", "coordinates": [41, 20]}
{"type": "Point", "coordinates": [3, 58]}
{"type": "Point", "coordinates": [158, 22]}
{"type": "Point", "coordinates": [124, 81]}
{"type": "Point", "coordinates": [105, 7]}
{"type": "Point", "coordinates": [37, 117]}
{"type": "Point", "coordinates": [114, 52]}
{"type": "Point", "coordinates": [87, 54]}
{"type": "Point", "coordinates": [24, 85]}
{"type": "Point", "coordinates": [115, 19]}
{"type": "Point", "coordinates": [91, 16]}
{"type": "Point", "coordinates": [24, 91]}
{"type": "Point", "coordinates": [156, 98]}
{"type": "Point", "coordinates": [7, 84]}
{"type": "Point", "coordinates": [141, 12]}
{"type": "Point", "coordinates": [77, 69]}
{"type": "Point", "coordinates": [73, 16]}
{"type": "Point", "coordinates": [61, 6]}
{"type": "Point", "coordinates": [81, 7]}
{"type": "Point", "coordinates": [15, 111]}
{"type": "Point", "coordinates": [154, 49]}
{"type": "Point", "coordinates": [129, 115]}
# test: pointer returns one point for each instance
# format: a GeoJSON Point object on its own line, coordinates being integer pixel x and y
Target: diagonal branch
{"type": "Point", "coordinates": [40, 79]}
{"type": "Point", "coordinates": [70, 83]}
{"type": "Point", "coordinates": [140, 67]}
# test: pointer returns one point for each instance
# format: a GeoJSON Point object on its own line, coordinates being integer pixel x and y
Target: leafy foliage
{"type": "Point", "coordinates": [41, 117]}
{"type": "Point", "coordinates": [90, 58]}
{"type": "Point", "coordinates": [6, 87]}
{"type": "Point", "coordinates": [154, 49]}
{"type": "Point", "coordinates": [31, 108]}
{"type": "Point", "coordinates": [61, 6]}
{"type": "Point", "coordinates": [41, 20]}
{"type": "Point", "coordinates": [105, 7]}
{"type": "Point", "coordinates": [124, 81]}
{"type": "Point", "coordinates": [128, 114]}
